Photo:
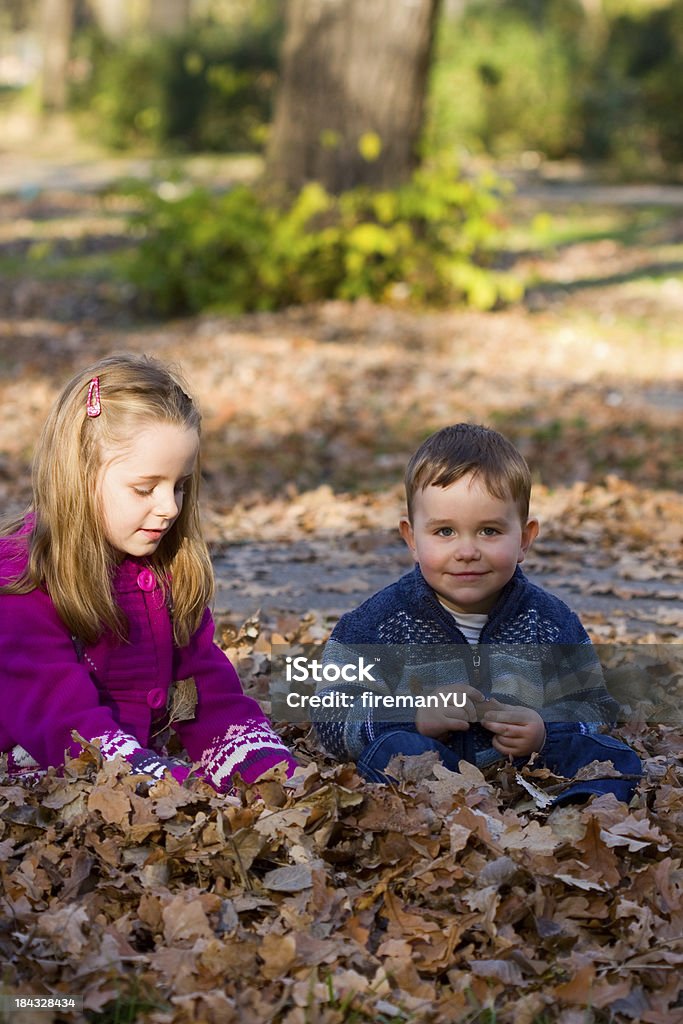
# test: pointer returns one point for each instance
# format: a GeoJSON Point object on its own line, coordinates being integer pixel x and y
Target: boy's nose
{"type": "Point", "coordinates": [467, 551]}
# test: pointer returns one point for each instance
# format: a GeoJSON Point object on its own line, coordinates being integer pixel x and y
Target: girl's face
{"type": "Point", "coordinates": [141, 490]}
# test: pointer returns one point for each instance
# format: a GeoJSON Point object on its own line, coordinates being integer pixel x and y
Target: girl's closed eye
{"type": "Point", "coordinates": [143, 492]}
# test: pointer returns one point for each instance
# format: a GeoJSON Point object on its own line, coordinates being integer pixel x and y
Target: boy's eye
{"type": "Point", "coordinates": [445, 531]}
{"type": "Point", "coordinates": [490, 531]}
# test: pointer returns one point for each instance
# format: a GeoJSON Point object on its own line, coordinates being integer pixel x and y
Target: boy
{"type": "Point", "coordinates": [509, 668]}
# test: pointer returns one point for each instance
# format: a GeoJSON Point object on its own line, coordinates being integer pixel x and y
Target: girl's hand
{"type": "Point", "coordinates": [518, 731]}
{"type": "Point", "coordinates": [148, 762]}
{"type": "Point", "coordinates": [439, 721]}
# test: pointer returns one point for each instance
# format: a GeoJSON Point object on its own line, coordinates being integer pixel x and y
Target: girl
{"type": "Point", "coordinates": [105, 585]}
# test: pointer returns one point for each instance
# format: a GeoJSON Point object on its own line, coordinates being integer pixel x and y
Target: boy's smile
{"type": "Point", "coordinates": [467, 542]}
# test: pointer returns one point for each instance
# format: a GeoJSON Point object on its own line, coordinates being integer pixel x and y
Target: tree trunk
{"type": "Point", "coordinates": [119, 18]}
{"type": "Point", "coordinates": [113, 17]}
{"type": "Point", "coordinates": [351, 99]}
{"type": "Point", "coordinates": [57, 18]}
{"type": "Point", "coordinates": [169, 17]}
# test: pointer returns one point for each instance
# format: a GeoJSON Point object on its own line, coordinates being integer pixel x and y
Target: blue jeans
{"type": "Point", "coordinates": [564, 753]}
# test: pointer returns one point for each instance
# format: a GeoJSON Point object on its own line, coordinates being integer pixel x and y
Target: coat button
{"type": "Point", "coordinates": [156, 698]}
{"type": "Point", "coordinates": [146, 580]}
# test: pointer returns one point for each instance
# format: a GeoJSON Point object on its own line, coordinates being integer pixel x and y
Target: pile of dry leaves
{"type": "Point", "coordinates": [328, 899]}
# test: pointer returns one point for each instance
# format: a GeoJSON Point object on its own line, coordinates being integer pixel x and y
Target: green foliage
{"type": "Point", "coordinates": [637, 118]}
{"type": "Point", "coordinates": [562, 78]}
{"type": "Point", "coordinates": [430, 241]}
{"type": "Point", "coordinates": [504, 79]}
{"type": "Point", "coordinates": [209, 89]}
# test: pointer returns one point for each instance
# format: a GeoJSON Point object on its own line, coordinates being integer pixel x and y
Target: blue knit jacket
{"type": "Point", "coordinates": [533, 651]}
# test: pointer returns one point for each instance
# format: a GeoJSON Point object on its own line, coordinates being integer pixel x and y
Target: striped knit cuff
{"type": "Point", "coordinates": [141, 760]}
{"type": "Point", "coordinates": [146, 762]}
{"type": "Point", "coordinates": [20, 765]}
{"type": "Point", "coordinates": [251, 749]}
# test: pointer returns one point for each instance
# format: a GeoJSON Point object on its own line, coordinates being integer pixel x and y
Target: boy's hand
{"type": "Point", "coordinates": [518, 731]}
{"type": "Point", "coordinates": [438, 722]}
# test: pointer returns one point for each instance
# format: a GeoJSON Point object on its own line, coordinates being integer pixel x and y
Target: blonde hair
{"type": "Point", "coordinates": [69, 555]}
{"type": "Point", "coordinates": [453, 452]}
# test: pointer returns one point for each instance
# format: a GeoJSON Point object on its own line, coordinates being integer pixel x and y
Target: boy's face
{"type": "Point", "coordinates": [467, 542]}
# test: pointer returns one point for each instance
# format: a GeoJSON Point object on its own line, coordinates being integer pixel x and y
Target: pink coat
{"type": "Point", "coordinates": [50, 685]}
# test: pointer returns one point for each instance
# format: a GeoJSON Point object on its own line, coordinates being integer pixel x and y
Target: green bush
{"type": "Point", "coordinates": [431, 241]}
{"type": "Point", "coordinates": [602, 82]}
{"type": "Point", "coordinates": [210, 89]}
{"type": "Point", "coordinates": [646, 48]}
{"type": "Point", "coordinates": [504, 80]}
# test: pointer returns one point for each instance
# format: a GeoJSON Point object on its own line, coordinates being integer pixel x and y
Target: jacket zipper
{"type": "Point", "coordinates": [474, 648]}
{"type": "Point", "coordinates": [476, 663]}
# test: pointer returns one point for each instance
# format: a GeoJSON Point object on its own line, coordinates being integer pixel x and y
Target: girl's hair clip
{"type": "Point", "coordinates": [94, 404]}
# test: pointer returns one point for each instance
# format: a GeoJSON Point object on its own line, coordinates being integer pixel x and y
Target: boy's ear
{"type": "Point", "coordinates": [406, 530]}
{"type": "Point", "coordinates": [529, 535]}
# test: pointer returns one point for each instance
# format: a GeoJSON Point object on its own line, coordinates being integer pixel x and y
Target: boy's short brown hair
{"type": "Point", "coordinates": [453, 452]}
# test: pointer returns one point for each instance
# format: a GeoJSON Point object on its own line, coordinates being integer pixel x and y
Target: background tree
{"type": "Point", "coordinates": [56, 25]}
{"type": "Point", "coordinates": [112, 17]}
{"type": "Point", "coordinates": [169, 17]}
{"type": "Point", "coordinates": [350, 105]}
{"type": "Point", "coordinates": [117, 18]}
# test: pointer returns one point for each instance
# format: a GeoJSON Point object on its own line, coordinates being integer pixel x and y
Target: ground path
{"type": "Point", "coordinates": [333, 575]}
{"type": "Point", "coordinates": [23, 173]}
